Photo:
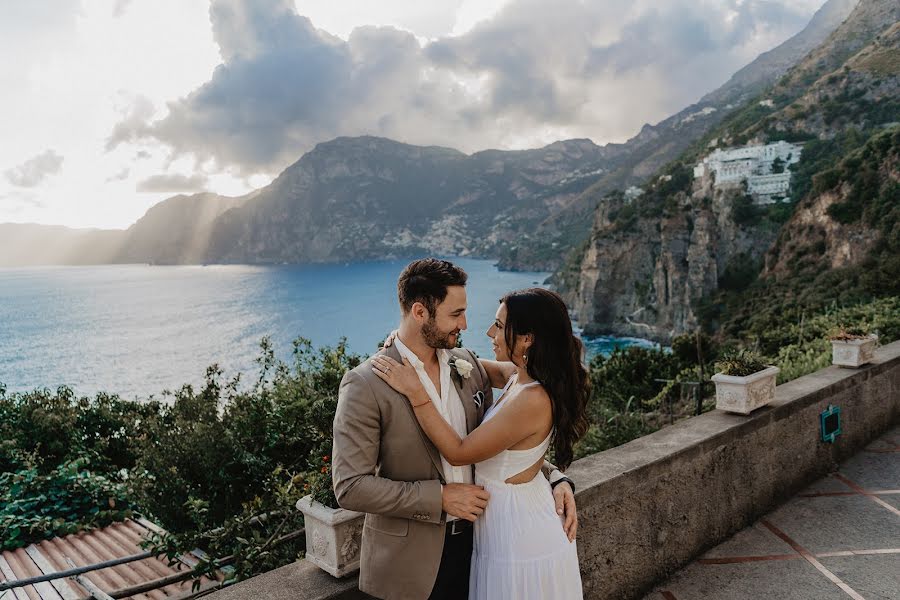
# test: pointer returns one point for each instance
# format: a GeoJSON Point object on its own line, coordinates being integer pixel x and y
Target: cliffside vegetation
{"type": "Point", "coordinates": [683, 256]}
{"type": "Point", "coordinates": [840, 248]}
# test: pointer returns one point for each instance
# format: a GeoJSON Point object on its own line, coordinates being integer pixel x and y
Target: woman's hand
{"type": "Point", "coordinates": [389, 340]}
{"type": "Point", "coordinates": [402, 377]}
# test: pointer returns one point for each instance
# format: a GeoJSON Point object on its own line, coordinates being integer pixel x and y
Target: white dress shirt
{"type": "Point", "coordinates": [447, 403]}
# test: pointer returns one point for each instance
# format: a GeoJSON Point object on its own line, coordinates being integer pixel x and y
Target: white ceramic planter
{"type": "Point", "coordinates": [853, 353]}
{"type": "Point", "coordinates": [745, 394]}
{"type": "Point", "coordinates": [333, 536]}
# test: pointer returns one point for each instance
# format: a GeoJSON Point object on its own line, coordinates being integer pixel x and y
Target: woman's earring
{"type": "Point", "coordinates": [525, 358]}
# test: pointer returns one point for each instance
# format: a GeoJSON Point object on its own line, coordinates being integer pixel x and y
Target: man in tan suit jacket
{"type": "Point", "coordinates": [417, 538]}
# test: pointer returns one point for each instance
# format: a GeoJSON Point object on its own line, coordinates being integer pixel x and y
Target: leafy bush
{"type": "Point", "coordinates": [627, 377]}
{"type": "Point", "coordinates": [55, 427]}
{"type": "Point", "coordinates": [740, 272]}
{"type": "Point", "coordinates": [744, 211]}
{"type": "Point", "coordinates": [221, 468]}
{"type": "Point", "coordinates": [611, 428]}
{"type": "Point", "coordinates": [222, 445]}
{"type": "Point", "coordinates": [67, 499]}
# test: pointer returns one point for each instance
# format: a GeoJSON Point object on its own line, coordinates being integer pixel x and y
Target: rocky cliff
{"type": "Point", "coordinates": [645, 267]}
{"type": "Point", "coordinates": [656, 145]}
{"type": "Point", "coordinates": [675, 257]}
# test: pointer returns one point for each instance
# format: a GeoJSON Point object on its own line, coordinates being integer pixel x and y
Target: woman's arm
{"type": "Point", "coordinates": [498, 372]}
{"type": "Point", "coordinates": [518, 421]}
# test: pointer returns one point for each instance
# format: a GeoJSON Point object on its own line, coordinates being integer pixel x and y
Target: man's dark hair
{"type": "Point", "coordinates": [426, 281]}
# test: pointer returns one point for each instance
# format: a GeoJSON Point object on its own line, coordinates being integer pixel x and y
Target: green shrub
{"type": "Point", "coordinates": [68, 498]}
{"type": "Point", "coordinates": [55, 427]}
{"type": "Point", "coordinates": [611, 427]}
{"type": "Point", "coordinates": [627, 376]}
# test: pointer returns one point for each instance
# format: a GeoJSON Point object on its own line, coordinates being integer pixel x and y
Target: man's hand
{"type": "Point", "coordinates": [464, 501]}
{"type": "Point", "coordinates": [565, 506]}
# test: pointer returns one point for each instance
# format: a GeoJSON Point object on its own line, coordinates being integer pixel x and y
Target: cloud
{"type": "Point", "coordinates": [122, 175]}
{"type": "Point", "coordinates": [120, 7]}
{"type": "Point", "coordinates": [134, 124]}
{"type": "Point", "coordinates": [35, 170]}
{"type": "Point", "coordinates": [171, 184]}
{"type": "Point", "coordinates": [536, 71]}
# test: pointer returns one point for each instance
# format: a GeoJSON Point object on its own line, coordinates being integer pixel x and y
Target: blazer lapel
{"type": "Point", "coordinates": [465, 397]}
{"type": "Point", "coordinates": [432, 450]}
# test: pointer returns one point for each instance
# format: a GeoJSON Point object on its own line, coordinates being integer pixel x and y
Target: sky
{"type": "Point", "coordinates": [110, 106]}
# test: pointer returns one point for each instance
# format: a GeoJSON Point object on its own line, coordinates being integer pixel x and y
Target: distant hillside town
{"type": "Point", "coordinates": [765, 169]}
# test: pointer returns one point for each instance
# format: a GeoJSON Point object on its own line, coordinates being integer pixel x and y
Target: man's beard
{"type": "Point", "coordinates": [435, 338]}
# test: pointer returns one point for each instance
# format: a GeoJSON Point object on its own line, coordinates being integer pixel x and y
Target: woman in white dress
{"type": "Point", "coordinates": [520, 549]}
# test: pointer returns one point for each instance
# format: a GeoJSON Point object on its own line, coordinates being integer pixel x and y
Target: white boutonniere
{"type": "Point", "coordinates": [463, 367]}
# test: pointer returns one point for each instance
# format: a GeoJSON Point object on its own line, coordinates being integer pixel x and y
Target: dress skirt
{"type": "Point", "coordinates": [521, 550]}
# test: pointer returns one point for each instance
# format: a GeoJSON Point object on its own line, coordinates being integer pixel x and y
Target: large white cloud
{"type": "Point", "coordinates": [536, 71]}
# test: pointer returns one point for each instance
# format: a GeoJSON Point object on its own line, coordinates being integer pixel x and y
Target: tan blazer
{"type": "Point", "coordinates": [385, 465]}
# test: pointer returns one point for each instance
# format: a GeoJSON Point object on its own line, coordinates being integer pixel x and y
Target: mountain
{"type": "Point", "coordinates": [29, 244]}
{"type": "Point", "coordinates": [685, 255]}
{"type": "Point", "coordinates": [351, 199]}
{"type": "Point", "coordinates": [367, 197]}
{"type": "Point", "coordinates": [176, 230]}
{"type": "Point", "coordinates": [770, 66]}
{"type": "Point", "coordinates": [656, 145]}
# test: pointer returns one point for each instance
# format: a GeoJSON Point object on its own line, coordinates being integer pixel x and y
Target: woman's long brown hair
{"type": "Point", "coordinates": [555, 359]}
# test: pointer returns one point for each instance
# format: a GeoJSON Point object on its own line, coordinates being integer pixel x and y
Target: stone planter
{"type": "Point", "coordinates": [333, 536]}
{"type": "Point", "coordinates": [853, 353]}
{"type": "Point", "coordinates": [745, 394]}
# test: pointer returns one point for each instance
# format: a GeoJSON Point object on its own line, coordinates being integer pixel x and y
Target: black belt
{"type": "Point", "coordinates": [458, 526]}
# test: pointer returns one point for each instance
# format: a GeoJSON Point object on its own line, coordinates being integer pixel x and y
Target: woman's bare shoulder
{"type": "Point", "coordinates": [533, 398]}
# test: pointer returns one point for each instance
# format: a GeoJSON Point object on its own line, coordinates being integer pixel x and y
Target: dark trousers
{"type": "Point", "coordinates": [452, 581]}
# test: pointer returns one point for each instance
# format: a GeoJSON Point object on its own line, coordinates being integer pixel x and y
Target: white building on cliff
{"type": "Point", "coordinates": [766, 169]}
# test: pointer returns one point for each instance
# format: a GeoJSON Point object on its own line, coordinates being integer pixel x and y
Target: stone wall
{"type": "Point", "coordinates": [650, 506]}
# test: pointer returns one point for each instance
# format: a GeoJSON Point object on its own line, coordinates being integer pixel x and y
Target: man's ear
{"type": "Point", "coordinates": [419, 312]}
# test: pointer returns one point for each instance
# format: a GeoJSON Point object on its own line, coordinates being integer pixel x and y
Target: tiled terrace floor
{"type": "Point", "coordinates": [837, 539]}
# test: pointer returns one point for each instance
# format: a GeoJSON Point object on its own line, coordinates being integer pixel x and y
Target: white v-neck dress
{"type": "Point", "coordinates": [521, 550]}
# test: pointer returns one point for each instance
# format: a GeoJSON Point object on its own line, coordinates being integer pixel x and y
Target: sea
{"type": "Point", "coordinates": [139, 330]}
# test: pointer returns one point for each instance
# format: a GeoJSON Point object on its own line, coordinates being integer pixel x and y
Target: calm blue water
{"type": "Point", "coordinates": [137, 330]}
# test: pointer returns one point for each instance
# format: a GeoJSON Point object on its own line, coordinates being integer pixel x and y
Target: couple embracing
{"type": "Point", "coordinates": [458, 496]}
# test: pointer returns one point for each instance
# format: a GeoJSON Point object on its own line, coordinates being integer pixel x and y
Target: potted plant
{"type": "Point", "coordinates": [744, 382]}
{"type": "Point", "coordinates": [333, 534]}
{"type": "Point", "coordinates": [852, 346]}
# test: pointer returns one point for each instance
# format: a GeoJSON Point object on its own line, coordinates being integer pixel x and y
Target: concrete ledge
{"type": "Point", "coordinates": [300, 580]}
{"type": "Point", "coordinates": [650, 506]}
